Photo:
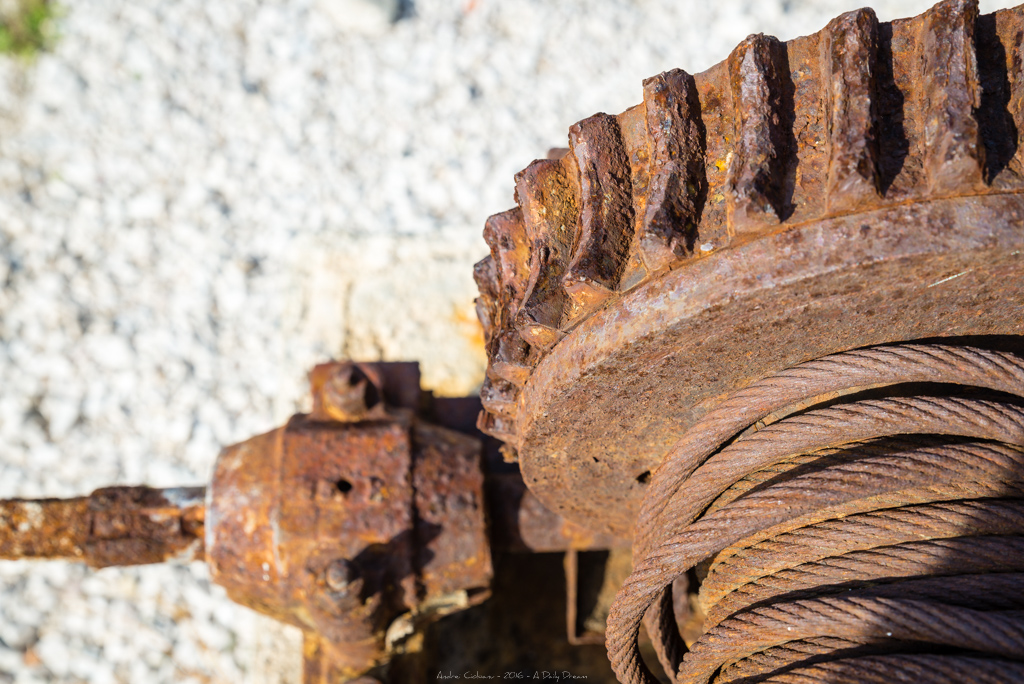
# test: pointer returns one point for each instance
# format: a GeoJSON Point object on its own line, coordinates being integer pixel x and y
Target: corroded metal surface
{"type": "Point", "coordinates": [453, 558]}
{"type": "Point", "coordinates": [356, 523]}
{"type": "Point", "coordinates": [112, 526]}
{"type": "Point", "coordinates": [346, 392]}
{"type": "Point", "coordinates": [853, 187]}
{"type": "Point", "coordinates": [606, 404]}
{"type": "Point", "coordinates": [520, 522]}
{"type": "Point", "coordinates": [313, 524]}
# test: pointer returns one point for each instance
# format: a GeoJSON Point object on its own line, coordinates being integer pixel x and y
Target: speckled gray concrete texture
{"type": "Point", "coordinates": [199, 200]}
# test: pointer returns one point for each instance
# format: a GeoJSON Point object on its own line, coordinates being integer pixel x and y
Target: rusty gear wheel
{"type": "Point", "coordinates": [850, 188]}
{"type": "Point", "coordinates": [779, 294]}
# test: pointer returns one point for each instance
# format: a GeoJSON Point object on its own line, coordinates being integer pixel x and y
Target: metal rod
{"type": "Point", "coordinates": [111, 526]}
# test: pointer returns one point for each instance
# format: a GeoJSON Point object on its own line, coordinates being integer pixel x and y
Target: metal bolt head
{"type": "Point", "coordinates": [344, 391]}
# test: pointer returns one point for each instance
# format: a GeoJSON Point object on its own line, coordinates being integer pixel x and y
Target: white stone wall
{"type": "Point", "coordinates": [199, 200]}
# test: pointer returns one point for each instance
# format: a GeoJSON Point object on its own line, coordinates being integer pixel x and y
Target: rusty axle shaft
{"type": "Point", "coordinates": [142, 525]}
{"type": "Point", "coordinates": [111, 526]}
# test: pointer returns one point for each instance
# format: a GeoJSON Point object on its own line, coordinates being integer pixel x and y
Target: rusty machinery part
{"type": "Point", "coordinates": [359, 523]}
{"type": "Point", "coordinates": [112, 526]}
{"type": "Point", "coordinates": [851, 188]}
{"type": "Point", "coordinates": [355, 532]}
{"type": "Point", "coordinates": [863, 510]}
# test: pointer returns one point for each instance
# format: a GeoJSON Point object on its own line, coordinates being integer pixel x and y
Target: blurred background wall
{"type": "Point", "coordinates": [200, 200]}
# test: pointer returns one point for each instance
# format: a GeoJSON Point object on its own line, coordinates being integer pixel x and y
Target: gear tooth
{"type": "Point", "coordinates": [755, 187]}
{"type": "Point", "coordinates": [636, 143]}
{"type": "Point", "coordinates": [605, 217]}
{"type": "Point", "coordinates": [547, 191]}
{"type": "Point", "coordinates": [485, 274]}
{"type": "Point", "coordinates": [954, 154]}
{"type": "Point", "coordinates": [505, 234]}
{"type": "Point", "coordinates": [512, 359]}
{"type": "Point", "coordinates": [999, 40]}
{"type": "Point", "coordinates": [1014, 48]}
{"type": "Point", "coordinates": [557, 152]}
{"type": "Point", "coordinates": [849, 56]}
{"type": "Point", "coordinates": [535, 333]}
{"type": "Point", "coordinates": [499, 398]}
{"type": "Point", "coordinates": [499, 428]}
{"type": "Point", "coordinates": [585, 296]}
{"type": "Point", "coordinates": [489, 302]}
{"type": "Point", "coordinates": [486, 313]}
{"type": "Point", "coordinates": [678, 182]}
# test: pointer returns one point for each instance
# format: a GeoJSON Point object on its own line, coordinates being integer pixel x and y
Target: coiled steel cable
{"type": "Point", "coordinates": [803, 509]}
{"type": "Point", "coordinates": [937, 669]}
